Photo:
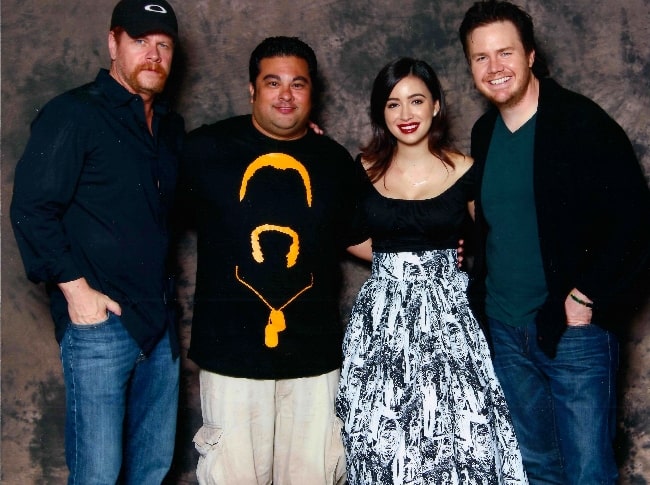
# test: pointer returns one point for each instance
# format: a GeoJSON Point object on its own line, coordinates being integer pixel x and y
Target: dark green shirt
{"type": "Point", "coordinates": [516, 286]}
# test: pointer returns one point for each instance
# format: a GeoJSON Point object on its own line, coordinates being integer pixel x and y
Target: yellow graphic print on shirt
{"type": "Point", "coordinates": [294, 249]}
{"type": "Point", "coordinates": [276, 322]}
{"type": "Point", "coordinates": [280, 161]}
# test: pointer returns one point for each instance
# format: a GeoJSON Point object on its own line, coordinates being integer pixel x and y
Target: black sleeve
{"type": "Point", "coordinates": [44, 186]}
{"type": "Point", "coordinates": [619, 194]}
{"type": "Point", "coordinates": [356, 229]}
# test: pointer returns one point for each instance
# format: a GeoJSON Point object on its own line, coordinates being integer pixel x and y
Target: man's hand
{"type": "Point", "coordinates": [577, 313]}
{"type": "Point", "coordinates": [87, 306]}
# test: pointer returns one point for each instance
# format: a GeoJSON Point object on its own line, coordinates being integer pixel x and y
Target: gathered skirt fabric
{"type": "Point", "coordinates": [418, 396]}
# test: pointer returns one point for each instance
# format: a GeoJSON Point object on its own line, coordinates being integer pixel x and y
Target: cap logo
{"type": "Point", "coordinates": [155, 8]}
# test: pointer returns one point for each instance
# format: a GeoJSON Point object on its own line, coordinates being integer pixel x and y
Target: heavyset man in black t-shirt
{"type": "Point", "coordinates": [270, 201]}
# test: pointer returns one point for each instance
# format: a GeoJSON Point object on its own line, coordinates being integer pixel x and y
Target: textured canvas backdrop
{"type": "Point", "coordinates": [601, 49]}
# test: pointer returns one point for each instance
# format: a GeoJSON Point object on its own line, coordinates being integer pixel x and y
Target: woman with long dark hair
{"type": "Point", "coordinates": [418, 396]}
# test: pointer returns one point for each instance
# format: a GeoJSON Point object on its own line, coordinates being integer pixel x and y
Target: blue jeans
{"type": "Point", "coordinates": [120, 406]}
{"type": "Point", "coordinates": [563, 409]}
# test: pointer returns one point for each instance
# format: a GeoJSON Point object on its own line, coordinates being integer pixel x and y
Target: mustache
{"type": "Point", "coordinates": [150, 66]}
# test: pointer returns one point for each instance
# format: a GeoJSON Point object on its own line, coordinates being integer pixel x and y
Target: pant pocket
{"type": "Point", "coordinates": [207, 438]}
{"type": "Point", "coordinates": [335, 455]}
{"type": "Point", "coordinates": [211, 468]}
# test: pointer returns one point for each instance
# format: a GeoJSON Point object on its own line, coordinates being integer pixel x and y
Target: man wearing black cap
{"type": "Point", "coordinates": [90, 212]}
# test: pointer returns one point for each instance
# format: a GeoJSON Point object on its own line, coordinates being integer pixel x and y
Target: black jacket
{"type": "Point", "coordinates": [593, 209]}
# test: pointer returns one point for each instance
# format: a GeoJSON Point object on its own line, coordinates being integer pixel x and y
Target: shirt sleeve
{"type": "Point", "coordinates": [622, 203]}
{"type": "Point", "coordinates": [44, 186]}
{"type": "Point", "coordinates": [356, 228]}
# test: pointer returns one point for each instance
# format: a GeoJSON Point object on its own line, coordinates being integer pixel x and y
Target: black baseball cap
{"type": "Point", "coordinates": [140, 17]}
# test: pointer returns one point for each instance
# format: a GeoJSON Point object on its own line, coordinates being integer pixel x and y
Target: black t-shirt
{"type": "Point", "coordinates": [271, 219]}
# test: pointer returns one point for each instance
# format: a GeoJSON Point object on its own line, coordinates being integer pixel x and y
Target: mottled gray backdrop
{"type": "Point", "coordinates": [599, 48]}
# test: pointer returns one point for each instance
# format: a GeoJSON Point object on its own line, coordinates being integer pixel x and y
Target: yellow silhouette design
{"type": "Point", "coordinates": [276, 322]}
{"type": "Point", "coordinates": [280, 161]}
{"type": "Point", "coordinates": [294, 249]}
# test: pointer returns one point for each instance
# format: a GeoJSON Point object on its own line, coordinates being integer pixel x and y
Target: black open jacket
{"type": "Point", "coordinates": [593, 210]}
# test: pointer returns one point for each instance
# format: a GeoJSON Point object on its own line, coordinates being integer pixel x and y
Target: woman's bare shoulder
{"type": "Point", "coordinates": [462, 163]}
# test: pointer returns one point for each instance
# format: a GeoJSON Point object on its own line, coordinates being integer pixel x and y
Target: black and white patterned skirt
{"type": "Point", "coordinates": [418, 397]}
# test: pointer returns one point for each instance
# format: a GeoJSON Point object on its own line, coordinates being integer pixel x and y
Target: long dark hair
{"type": "Point", "coordinates": [380, 150]}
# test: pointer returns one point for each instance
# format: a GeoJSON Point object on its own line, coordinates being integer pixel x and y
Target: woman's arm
{"type": "Point", "coordinates": [363, 250]}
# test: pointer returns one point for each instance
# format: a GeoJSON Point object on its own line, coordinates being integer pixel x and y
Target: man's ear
{"type": "Point", "coordinates": [251, 90]}
{"type": "Point", "coordinates": [112, 45]}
